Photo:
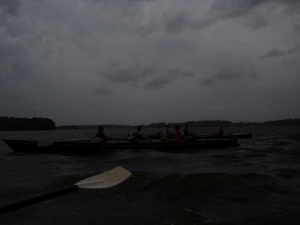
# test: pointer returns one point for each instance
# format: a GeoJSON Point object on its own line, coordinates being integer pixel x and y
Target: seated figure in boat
{"type": "Point", "coordinates": [185, 131]}
{"type": "Point", "coordinates": [189, 136]}
{"type": "Point", "coordinates": [136, 135]}
{"type": "Point", "coordinates": [168, 133]}
{"type": "Point", "coordinates": [102, 135]}
{"type": "Point", "coordinates": [177, 136]}
{"type": "Point", "coordinates": [220, 132]}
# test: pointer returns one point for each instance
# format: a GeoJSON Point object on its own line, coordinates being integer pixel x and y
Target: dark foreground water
{"type": "Point", "coordinates": [256, 183]}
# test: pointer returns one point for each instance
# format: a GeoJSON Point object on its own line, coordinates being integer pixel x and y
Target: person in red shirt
{"type": "Point", "coordinates": [177, 136]}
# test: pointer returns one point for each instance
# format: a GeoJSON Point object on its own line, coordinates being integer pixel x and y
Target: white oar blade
{"type": "Point", "coordinates": [105, 180]}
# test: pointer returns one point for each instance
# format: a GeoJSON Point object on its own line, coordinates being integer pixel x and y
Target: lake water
{"type": "Point", "coordinates": [255, 183]}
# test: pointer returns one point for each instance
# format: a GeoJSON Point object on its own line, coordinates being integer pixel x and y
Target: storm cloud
{"type": "Point", "coordinates": [231, 74]}
{"type": "Point", "coordinates": [143, 76]}
{"type": "Point", "coordinates": [128, 62]}
{"type": "Point", "coordinates": [10, 7]}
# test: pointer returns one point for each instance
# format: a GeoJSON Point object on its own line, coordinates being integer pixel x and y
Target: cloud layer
{"type": "Point", "coordinates": [137, 62]}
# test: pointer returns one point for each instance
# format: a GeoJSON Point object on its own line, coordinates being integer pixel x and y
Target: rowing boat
{"type": "Point", "coordinates": [88, 147]}
{"type": "Point", "coordinates": [227, 136]}
{"type": "Point", "coordinates": [236, 135]}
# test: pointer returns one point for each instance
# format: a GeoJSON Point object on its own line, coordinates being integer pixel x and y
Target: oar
{"type": "Point", "coordinates": [104, 180]}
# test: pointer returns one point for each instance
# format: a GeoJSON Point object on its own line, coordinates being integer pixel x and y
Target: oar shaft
{"type": "Point", "coordinates": [34, 200]}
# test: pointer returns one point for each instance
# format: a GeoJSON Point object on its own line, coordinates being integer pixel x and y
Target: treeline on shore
{"type": "Point", "coordinates": [203, 123]}
{"type": "Point", "coordinates": [71, 127]}
{"type": "Point", "coordinates": [13, 124]}
{"type": "Point", "coordinates": [224, 123]}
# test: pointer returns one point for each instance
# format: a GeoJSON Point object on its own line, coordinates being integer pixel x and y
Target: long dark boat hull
{"type": "Point", "coordinates": [87, 147]}
{"type": "Point", "coordinates": [229, 136]}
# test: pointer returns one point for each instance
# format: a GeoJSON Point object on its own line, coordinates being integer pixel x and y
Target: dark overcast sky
{"type": "Point", "coordinates": [137, 62]}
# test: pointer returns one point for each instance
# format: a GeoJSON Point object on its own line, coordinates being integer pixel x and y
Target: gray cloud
{"type": "Point", "coordinates": [181, 21]}
{"type": "Point", "coordinates": [23, 69]}
{"type": "Point", "coordinates": [10, 7]}
{"type": "Point", "coordinates": [297, 28]}
{"type": "Point", "coordinates": [158, 82]}
{"type": "Point", "coordinates": [19, 28]}
{"type": "Point", "coordinates": [238, 8]}
{"type": "Point", "coordinates": [8, 50]}
{"type": "Point", "coordinates": [144, 50]}
{"type": "Point", "coordinates": [124, 73]}
{"type": "Point", "coordinates": [15, 97]}
{"type": "Point", "coordinates": [167, 77]}
{"type": "Point", "coordinates": [289, 62]}
{"type": "Point", "coordinates": [292, 6]}
{"type": "Point", "coordinates": [145, 30]}
{"type": "Point", "coordinates": [257, 21]}
{"type": "Point", "coordinates": [220, 10]}
{"type": "Point", "coordinates": [142, 75]}
{"type": "Point", "coordinates": [14, 61]}
{"type": "Point", "coordinates": [275, 52]}
{"type": "Point", "coordinates": [296, 49]}
{"type": "Point", "coordinates": [103, 91]}
{"type": "Point", "coordinates": [233, 8]}
{"type": "Point", "coordinates": [229, 74]}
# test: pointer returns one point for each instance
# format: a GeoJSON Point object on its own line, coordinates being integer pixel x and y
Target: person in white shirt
{"type": "Point", "coordinates": [166, 131]}
{"type": "Point", "coordinates": [136, 136]}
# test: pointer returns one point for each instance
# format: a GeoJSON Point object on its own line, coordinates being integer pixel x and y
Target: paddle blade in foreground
{"type": "Point", "coordinates": [105, 180]}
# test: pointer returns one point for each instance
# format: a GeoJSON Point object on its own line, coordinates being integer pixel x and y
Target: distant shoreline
{"type": "Point", "coordinates": [204, 123]}
{"type": "Point", "coordinates": [26, 124]}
